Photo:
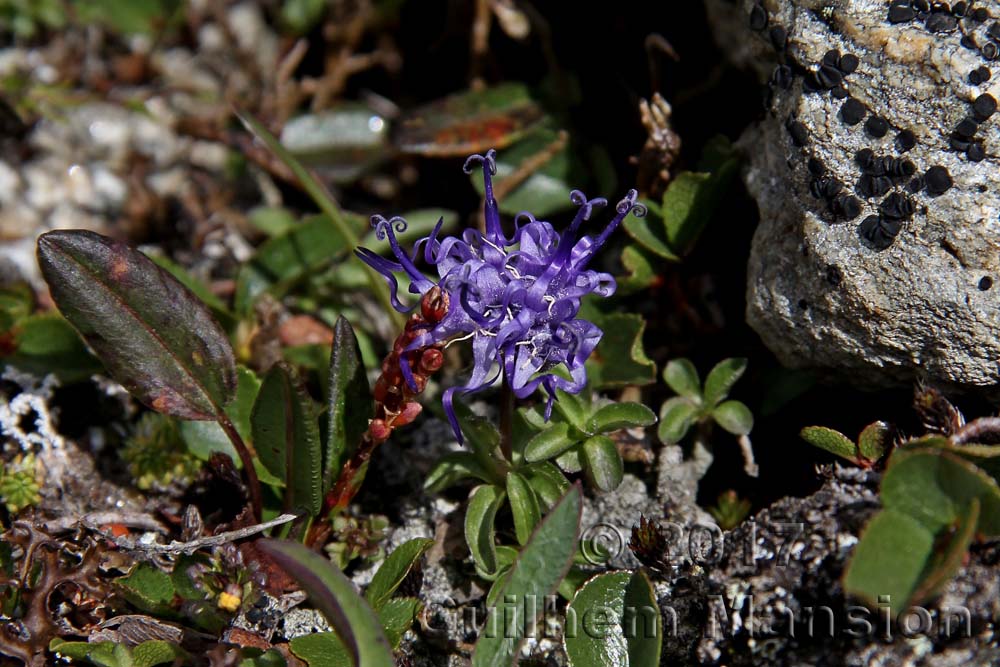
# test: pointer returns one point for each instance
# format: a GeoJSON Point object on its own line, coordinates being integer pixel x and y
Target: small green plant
{"type": "Point", "coordinates": [156, 454]}
{"type": "Point", "coordinates": [701, 407]}
{"type": "Point", "coordinates": [19, 483]}
{"type": "Point", "coordinates": [729, 509]}
{"type": "Point", "coordinates": [873, 443]}
{"type": "Point", "coordinates": [938, 495]}
{"type": "Point", "coordinates": [109, 654]}
{"type": "Point", "coordinates": [356, 538]}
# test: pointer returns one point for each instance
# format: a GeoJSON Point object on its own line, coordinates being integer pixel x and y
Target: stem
{"type": "Point", "coordinates": [749, 464]}
{"type": "Point", "coordinates": [253, 484]}
{"type": "Point", "coordinates": [326, 203]}
{"type": "Point", "coordinates": [507, 421]}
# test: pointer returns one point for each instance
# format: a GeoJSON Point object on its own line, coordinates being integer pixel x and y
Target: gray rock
{"type": "Point", "coordinates": [771, 596]}
{"type": "Point", "coordinates": [819, 293]}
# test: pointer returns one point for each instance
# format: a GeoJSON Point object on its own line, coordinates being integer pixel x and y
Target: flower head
{"type": "Point", "coordinates": [517, 298]}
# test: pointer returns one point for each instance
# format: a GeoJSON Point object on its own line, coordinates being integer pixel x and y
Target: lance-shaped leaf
{"type": "Point", "coordinates": [615, 621]}
{"type": "Point", "coordinates": [333, 594]}
{"type": "Point", "coordinates": [286, 437]}
{"type": "Point", "coordinates": [153, 335]}
{"type": "Point", "coordinates": [721, 379]}
{"type": "Point", "coordinates": [394, 569]}
{"type": "Point", "coordinates": [551, 442]}
{"type": "Point", "coordinates": [832, 441]}
{"type": "Point", "coordinates": [480, 521]}
{"type": "Point", "coordinates": [541, 565]}
{"type": "Point", "coordinates": [523, 506]}
{"type": "Point", "coordinates": [350, 400]}
{"type": "Point", "coordinates": [602, 462]}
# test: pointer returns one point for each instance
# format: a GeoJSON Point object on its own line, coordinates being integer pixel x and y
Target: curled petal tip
{"type": "Point", "coordinates": [577, 197]}
{"type": "Point", "coordinates": [490, 160]}
{"type": "Point", "coordinates": [382, 225]}
{"type": "Point", "coordinates": [629, 204]}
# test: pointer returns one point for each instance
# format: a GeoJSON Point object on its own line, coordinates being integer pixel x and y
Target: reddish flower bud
{"type": "Point", "coordinates": [434, 304]}
{"type": "Point", "coordinates": [379, 430]}
{"type": "Point", "coordinates": [408, 414]}
{"type": "Point", "coordinates": [431, 360]}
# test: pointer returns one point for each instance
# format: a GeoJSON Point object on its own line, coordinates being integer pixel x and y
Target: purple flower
{"type": "Point", "coordinates": [517, 298]}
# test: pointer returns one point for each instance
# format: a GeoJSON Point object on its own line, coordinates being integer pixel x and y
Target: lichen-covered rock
{"type": "Point", "coordinates": [877, 175]}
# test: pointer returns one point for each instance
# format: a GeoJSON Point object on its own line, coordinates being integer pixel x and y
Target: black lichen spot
{"type": "Point", "coordinates": [960, 9]}
{"type": "Point", "coordinates": [937, 180]}
{"type": "Point", "coordinates": [921, 6]}
{"type": "Point", "coordinates": [941, 22]}
{"type": "Point", "coordinates": [975, 152]}
{"type": "Point", "coordinates": [985, 283]}
{"type": "Point", "coordinates": [906, 140]}
{"type": "Point", "coordinates": [825, 187]}
{"type": "Point", "coordinates": [901, 13]}
{"type": "Point", "coordinates": [994, 31]}
{"type": "Point", "coordinates": [758, 18]}
{"type": "Point", "coordinates": [782, 77]}
{"type": "Point", "coordinates": [916, 184]}
{"type": "Point", "coordinates": [980, 14]}
{"type": "Point", "coordinates": [967, 43]}
{"type": "Point", "coordinates": [779, 38]}
{"type": "Point", "coordinates": [852, 111]}
{"type": "Point", "coordinates": [839, 93]}
{"type": "Point", "coordinates": [958, 142]}
{"type": "Point", "coordinates": [981, 74]}
{"type": "Point", "coordinates": [829, 77]}
{"type": "Point", "coordinates": [896, 206]}
{"type": "Point", "coordinates": [816, 166]}
{"type": "Point", "coordinates": [865, 158]}
{"type": "Point", "coordinates": [901, 167]}
{"type": "Point", "coordinates": [848, 63]}
{"type": "Point", "coordinates": [803, 304]}
{"type": "Point", "coordinates": [798, 132]}
{"type": "Point", "coordinates": [876, 126]}
{"type": "Point", "coordinates": [832, 58]}
{"type": "Point", "coordinates": [879, 232]}
{"type": "Point", "coordinates": [966, 128]}
{"type": "Point", "coordinates": [989, 51]}
{"type": "Point", "coordinates": [846, 206]}
{"type": "Point", "coordinates": [870, 186]}
{"type": "Point", "coordinates": [984, 106]}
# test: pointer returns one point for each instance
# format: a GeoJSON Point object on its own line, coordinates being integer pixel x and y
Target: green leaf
{"type": "Point", "coordinates": [721, 379]}
{"type": "Point", "coordinates": [397, 617]}
{"type": "Point", "coordinates": [619, 359]}
{"type": "Point", "coordinates": [152, 334]}
{"type": "Point", "coordinates": [103, 654]}
{"type": "Point", "coordinates": [734, 416]}
{"type": "Point", "coordinates": [873, 442]}
{"type": "Point", "coordinates": [572, 408]}
{"type": "Point", "coordinates": [334, 595]}
{"type": "Point", "coordinates": [949, 555]}
{"type": "Point", "coordinates": [551, 442]}
{"type": "Point", "coordinates": [617, 623]}
{"type": "Point", "coordinates": [453, 468]}
{"type": "Point", "coordinates": [690, 202]}
{"type": "Point", "coordinates": [321, 649]}
{"type": "Point", "coordinates": [286, 437]}
{"type": "Point", "coordinates": [481, 435]}
{"type": "Point", "coordinates": [571, 460]}
{"type": "Point", "coordinates": [480, 522]}
{"type": "Point", "coordinates": [348, 387]}
{"type": "Point", "coordinates": [204, 438]}
{"type": "Point", "coordinates": [17, 301]}
{"type": "Point", "coordinates": [155, 652]}
{"type": "Point", "coordinates": [541, 565]}
{"type": "Point", "coordinates": [832, 441]}
{"type": "Point", "coordinates": [677, 415]}
{"type": "Point", "coordinates": [934, 486]}
{"type": "Point", "coordinates": [602, 462]}
{"type": "Point", "coordinates": [394, 569]}
{"type": "Point", "coordinates": [46, 344]}
{"type": "Point", "coordinates": [523, 506]}
{"type": "Point", "coordinates": [285, 259]}
{"type": "Point", "coordinates": [889, 559]}
{"type": "Point", "coordinates": [681, 376]}
{"type": "Point", "coordinates": [148, 588]}
{"type": "Point", "coordinates": [125, 16]}
{"type": "Point", "coordinates": [620, 415]}
{"type": "Point", "coordinates": [649, 232]}
{"type": "Point", "coordinates": [639, 268]}
{"type": "Point", "coordinates": [257, 658]}
{"type": "Point", "coordinates": [547, 482]}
